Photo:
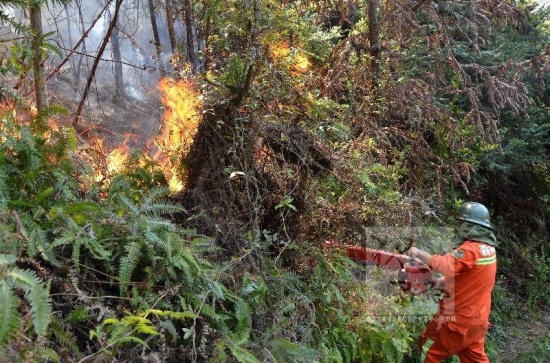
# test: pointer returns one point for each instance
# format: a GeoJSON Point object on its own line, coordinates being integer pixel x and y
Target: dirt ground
{"type": "Point", "coordinates": [522, 334]}
{"type": "Point", "coordinates": [133, 121]}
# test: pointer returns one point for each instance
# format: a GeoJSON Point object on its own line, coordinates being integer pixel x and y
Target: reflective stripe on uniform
{"type": "Point", "coordinates": [427, 345]}
{"type": "Point", "coordinates": [487, 260]}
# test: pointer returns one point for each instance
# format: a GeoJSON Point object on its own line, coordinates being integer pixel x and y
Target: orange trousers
{"type": "Point", "coordinates": [450, 338]}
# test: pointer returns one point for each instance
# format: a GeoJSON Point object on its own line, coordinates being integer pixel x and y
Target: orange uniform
{"type": "Point", "coordinates": [460, 325]}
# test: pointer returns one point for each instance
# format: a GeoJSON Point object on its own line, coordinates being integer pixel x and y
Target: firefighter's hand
{"type": "Point", "coordinates": [439, 283]}
{"type": "Point", "coordinates": [414, 253]}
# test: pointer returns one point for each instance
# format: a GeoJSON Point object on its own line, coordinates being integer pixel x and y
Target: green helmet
{"type": "Point", "coordinates": [476, 213]}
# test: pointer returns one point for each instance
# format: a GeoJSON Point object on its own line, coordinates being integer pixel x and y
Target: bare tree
{"type": "Point", "coordinates": [96, 61]}
{"type": "Point", "coordinates": [81, 43]}
{"type": "Point", "coordinates": [118, 97]}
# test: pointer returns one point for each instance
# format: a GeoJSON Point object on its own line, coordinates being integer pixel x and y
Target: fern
{"type": "Point", "coordinates": [77, 237]}
{"type": "Point", "coordinates": [178, 315]}
{"type": "Point", "coordinates": [61, 334]}
{"type": "Point", "coordinates": [38, 244]}
{"type": "Point", "coordinates": [286, 351]}
{"type": "Point", "coordinates": [242, 355]}
{"type": "Point", "coordinates": [151, 235]}
{"type": "Point", "coordinates": [139, 324]}
{"type": "Point", "coordinates": [116, 333]}
{"type": "Point", "coordinates": [128, 264]}
{"type": "Point", "coordinates": [156, 204]}
{"type": "Point", "coordinates": [153, 204]}
{"type": "Point", "coordinates": [180, 261]}
{"type": "Point", "coordinates": [8, 312]}
{"type": "Point", "coordinates": [46, 354]}
{"type": "Point", "coordinates": [244, 319]}
{"type": "Point", "coordinates": [35, 292]}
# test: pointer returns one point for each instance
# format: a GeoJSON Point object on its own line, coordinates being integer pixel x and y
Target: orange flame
{"type": "Point", "coordinates": [182, 108]}
{"type": "Point", "coordinates": [181, 117]}
{"type": "Point", "coordinates": [116, 158]}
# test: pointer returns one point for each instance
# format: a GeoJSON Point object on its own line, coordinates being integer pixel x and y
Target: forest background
{"type": "Point", "coordinates": [171, 170]}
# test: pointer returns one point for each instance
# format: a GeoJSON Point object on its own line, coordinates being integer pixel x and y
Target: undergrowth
{"type": "Point", "coordinates": [92, 273]}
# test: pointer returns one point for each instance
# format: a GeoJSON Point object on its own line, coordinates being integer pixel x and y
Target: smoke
{"type": "Point", "coordinates": [140, 64]}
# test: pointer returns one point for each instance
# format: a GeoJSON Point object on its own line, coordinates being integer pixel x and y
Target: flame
{"type": "Point", "coordinates": [117, 157]}
{"type": "Point", "coordinates": [182, 110]}
{"type": "Point", "coordinates": [181, 117]}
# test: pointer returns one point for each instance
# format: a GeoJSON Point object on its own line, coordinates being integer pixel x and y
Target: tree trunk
{"type": "Point", "coordinates": [70, 35]}
{"type": "Point", "coordinates": [374, 42]}
{"type": "Point", "coordinates": [83, 37]}
{"type": "Point", "coordinates": [374, 30]}
{"type": "Point", "coordinates": [37, 61]}
{"type": "Point", "coordinates": [189, 30]}
{"type": "Point", "coordinates": [156, 37]}
{"type": "Point", "coordinates": [170, 25]}
{"type": "Point", "coordinates": [118, 97]}
{"type": "Point", "coordinates": [207, 30]}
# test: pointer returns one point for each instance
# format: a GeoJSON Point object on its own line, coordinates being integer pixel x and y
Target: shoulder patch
{"type": "Point", "coordinates": [459, 253]}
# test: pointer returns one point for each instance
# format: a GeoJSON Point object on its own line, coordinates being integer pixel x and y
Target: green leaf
{"type": "Point", "coordinates": [36, 294]}
{"type": "Point", "coordinates": [8, 312]}
{"type": "Point", "coordinates": [242, 355]}
{"type": "Point", "coordinates": [7, 259]}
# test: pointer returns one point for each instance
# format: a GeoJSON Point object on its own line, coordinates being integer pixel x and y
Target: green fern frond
{"type": "Point", "coordinates": [286, 351]}
{"type": "Point", "coordinates": [155, 199]}
{"type": "Point", "coordinates": [132, 207]}
{"type": "Point", "coordinates": [122, 340]}
{"type": "Point", "coordinates": [161, 208]}
{"type": "Point", "coordinates": [168, 326]}
{"type": "Point", "coordinates": [64, 337]}
{"type": "Point", "coordinates": [29, 156]}
{"type": "Point", "coordinates": [128, 263]}
{"type": "Point", "coordinates": [242, 355]}
{"type": "Point", "coordinates": [68, 238]}
{"type": "Point", "coordinates": [36, 294]}
{"type": "Point", "coordinates": [179, 315]}
{"type": "Point", "coordinates": [46, 354]}
{"type": "Point", "coordinates": [4, 189]}
{"type": "Point", "coordinates": [44, 195]}
{"type": "Point", "coordinates": [186, 262]}
{"type": "Point", "coordinates": [160, 224]}
{"type": "Point", "coordinates": [7, 259]}
{"type": "Point", "coordinates": [155, 203]}
{"type": "Point", "coordinates": [140, 324]}
{"type": "Point", "coordinates": [154, 239]}
{"type": "Point", "coordinates": [287, 308]}
{"type": "Point", "coordinates": [217, 289]}
{"type": "Point", "coordinates": [38, 243]}
{"type": "Point", "coordinates": [96, 248]}
{"type": "Point", "coordinates": [243, 314]}
{"type": "Point", "coordinates": [8, 313]}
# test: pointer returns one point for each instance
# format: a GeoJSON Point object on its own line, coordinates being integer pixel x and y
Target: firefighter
{"type": "Point", "coordinates": [468, 277]}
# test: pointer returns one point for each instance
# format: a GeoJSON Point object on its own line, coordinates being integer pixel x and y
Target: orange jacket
{"type": "Point", "coordinates": [469, 274]}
